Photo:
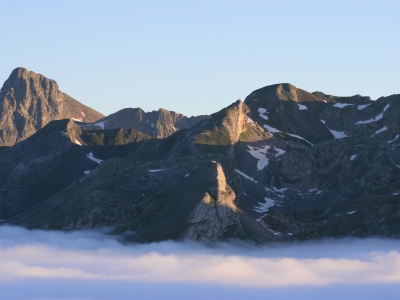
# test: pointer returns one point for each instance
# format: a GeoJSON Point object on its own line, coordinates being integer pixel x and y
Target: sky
{"type": "Point", "coordinates": [91, 265]}
{"type": "Point", "coordinates": [196, 57]}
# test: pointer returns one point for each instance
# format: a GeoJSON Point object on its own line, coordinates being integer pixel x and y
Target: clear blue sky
{"type": "Point", "coordinates": [196, 57]}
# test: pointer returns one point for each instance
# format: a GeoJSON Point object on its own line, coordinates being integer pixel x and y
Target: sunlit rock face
{"type": "Point", "coordinates": [29, 101]}
{"type": "Point", "coordinates": [283, 165]}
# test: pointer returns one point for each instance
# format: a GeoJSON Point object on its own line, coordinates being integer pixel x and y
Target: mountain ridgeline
{"type": "Point", "coordinates": [283, 165]}
{"type": "Point", "coordinates": [158, 124]}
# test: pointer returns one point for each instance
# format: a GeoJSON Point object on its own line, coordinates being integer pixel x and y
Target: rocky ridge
{"type": "Point", "coordinates": [159, 124]}
{"type": "Point", "coordinates": [283, 165]}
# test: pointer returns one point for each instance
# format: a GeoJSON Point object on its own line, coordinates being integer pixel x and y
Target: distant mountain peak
{"type": "Point", "coordinates": [159, 123]}
{"type": "Point", "coordinates": [29, 101]}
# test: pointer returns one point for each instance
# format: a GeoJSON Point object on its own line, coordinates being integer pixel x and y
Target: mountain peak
{"type": "Point", "coordinates": [29, 101]}
{"type": "Point", "coordinates": [20, 71]}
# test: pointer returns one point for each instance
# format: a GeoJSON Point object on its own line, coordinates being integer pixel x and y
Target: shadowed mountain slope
{"type": "Point", "coordinates": [284, 165]}
{"type": "Point", "coordinates": [54, 157]}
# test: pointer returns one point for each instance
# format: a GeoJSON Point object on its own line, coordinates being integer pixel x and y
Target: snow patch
{"type": "Point", "coordinates": [155, 171]}
{"type": "Point", "coordinates": [260, 153]}
{"type": "Point", "coordinates": [323, 121]}
{"type": "Point", "coordinates": [341, 105]}
{"type": "Point", "coordinates": [281, 190]}
{"type": "Point", "coordinates": [299, 137]}
{"type": "Point", "coordinates": [338, 134]}
{"type": "Point", "coordinates": [353, 157]}
{"type": "Point", "coordinates": [77, 142]}
{"type": "Point", "coordinates": [315, 190]}
{"type": "Point", "coordinates": [78, 119]}
{"type": "Point", "coordinates": [91, 157]}
{"type": "Point", "coordinates": [351, 212]}
{"type": "Point", "coordinates": [271, 129]}
{"type": "Point", "coordinates": [264, 207]}
{"type": "Point", "coordinates": [394, 194]}
{"type": "Point", "coordinates": [187, 175]}
{"type": "Point", "coordinates": [246, 176]}
{"type": "Point", "coordinates": [361, 107]}
{"type": "Point", "coordinates": [86, 172]}
{"type": "Point", "coordinates": [381, 130]}
{"type": "Point", "coordinates": [100, 124]}
{"type": "Point", "coordinates": [83, 114]}
{"type": "Point", "coordinates": [265, 225]}
{"type": "Point", "coordinates": [377, 118]}
{"type": "Point", "coordinates": [152, 125]}
{"type": "Point", "coordinates": [263, 112]}
{"type": "Point", "coordinates": [302, 107]}
{"type": "Point", "coordinates": [280, 152]}
{"type": "Point", "coordinates": [391, 141]}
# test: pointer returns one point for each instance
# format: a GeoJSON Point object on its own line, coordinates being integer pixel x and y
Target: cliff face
{"type": "Point", "coordinates": [28, 101]}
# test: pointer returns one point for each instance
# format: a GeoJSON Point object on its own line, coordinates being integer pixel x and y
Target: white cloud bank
{"type": "Point", "coordinates": [95, 257]}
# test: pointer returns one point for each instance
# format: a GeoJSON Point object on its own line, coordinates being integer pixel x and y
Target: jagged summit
{"type": "Point", "coordinates": [160, 124]}
{"type": "Point", "coordinates": [29, 101]}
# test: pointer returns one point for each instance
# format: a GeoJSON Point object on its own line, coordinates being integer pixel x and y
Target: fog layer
{"type": "Point", "coordinates": [94, 256]}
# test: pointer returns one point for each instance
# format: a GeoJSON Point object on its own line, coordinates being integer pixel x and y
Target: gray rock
{"type": "Point", "coordinates": [158, 124]}
{"type": "Point", "coordinates": [28, 101]}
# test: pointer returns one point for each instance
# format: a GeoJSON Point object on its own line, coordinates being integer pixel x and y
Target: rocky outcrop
{"type": "Point", "coordinates": [215, 212]}
{"type": "Point", "coordinates": [28, 101]}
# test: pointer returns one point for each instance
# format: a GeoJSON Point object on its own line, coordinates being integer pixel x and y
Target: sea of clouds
{"type": "Point", "coordinates": [93, 265]}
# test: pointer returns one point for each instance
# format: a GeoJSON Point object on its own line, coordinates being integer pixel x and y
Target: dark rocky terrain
{"type": "Point", "coordinates": [53, 158]}
{"type": "Point", "coordinates": [283, 165]}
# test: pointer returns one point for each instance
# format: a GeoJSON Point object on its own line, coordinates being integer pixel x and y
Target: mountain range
{"type": "Point", "coordinates": [282, 165]}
